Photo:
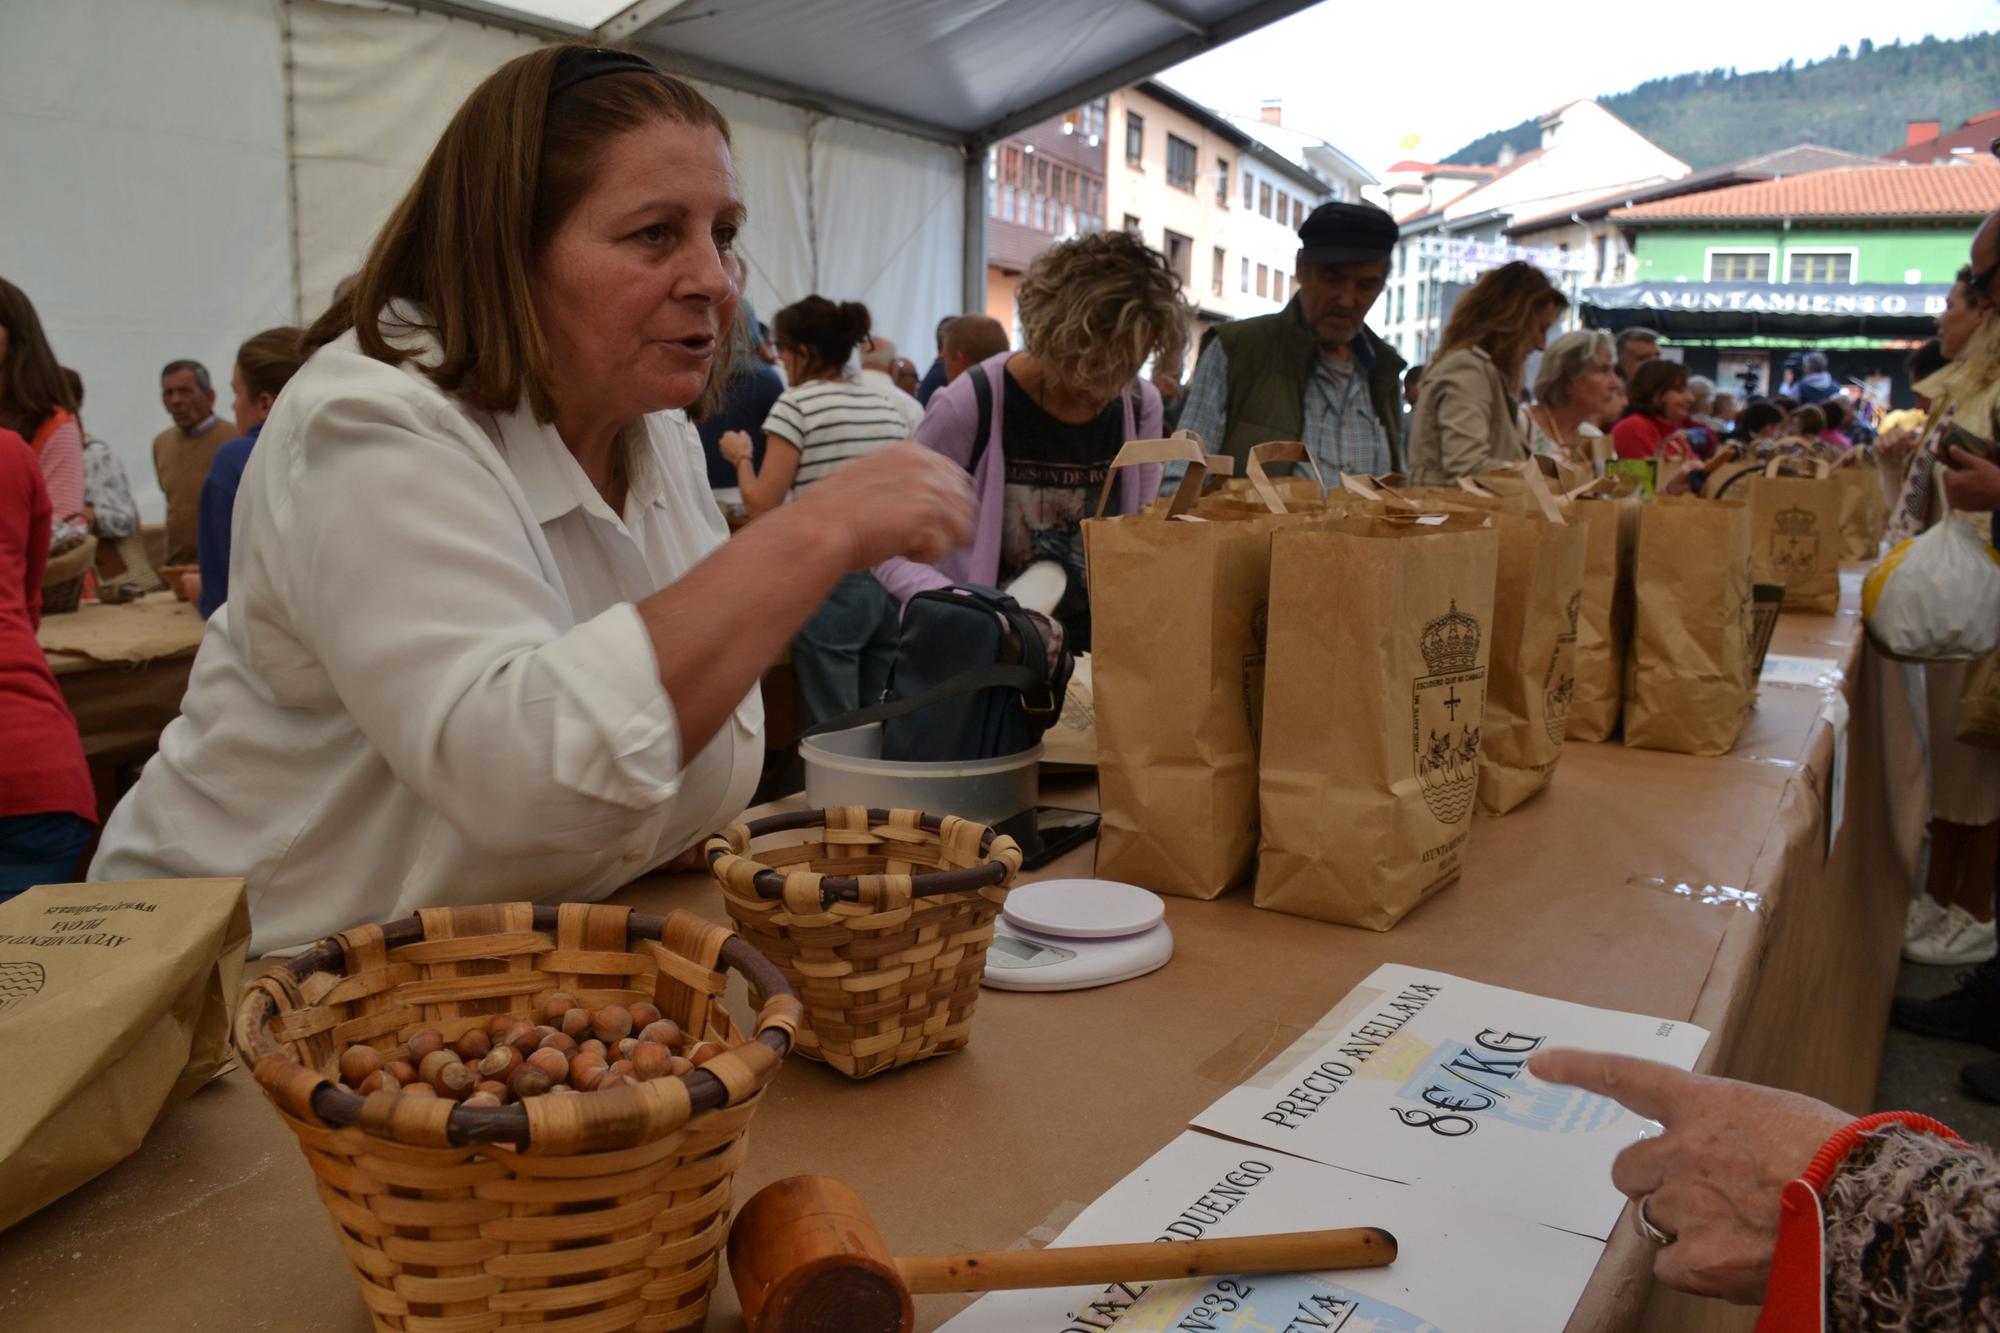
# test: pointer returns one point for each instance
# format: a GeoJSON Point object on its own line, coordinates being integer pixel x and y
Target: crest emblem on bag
{"type": "Point", "coordinates": [19, 981]}
{"type": "Point", "coordinates": [1795, 545]}
{"type": "Point", "coordinates": [1560, 682]}
{"type": "Point", "coordinates": [1446, 708]}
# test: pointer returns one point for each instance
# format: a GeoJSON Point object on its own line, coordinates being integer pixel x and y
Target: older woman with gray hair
{"type": "Point", "coordinates": [1578, 381]}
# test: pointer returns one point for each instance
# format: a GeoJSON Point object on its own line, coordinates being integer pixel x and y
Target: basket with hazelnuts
{"type": "Point", "coordinates": [573, 1049]}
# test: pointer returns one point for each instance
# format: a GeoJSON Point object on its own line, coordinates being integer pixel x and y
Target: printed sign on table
{"type": "Point", "coordinates": [1422, 1077]}
{"type": "Point", "coordinates": [1457, 1270]}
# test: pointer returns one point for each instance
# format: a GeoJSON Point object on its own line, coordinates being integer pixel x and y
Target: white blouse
{"type": "Point", "coordinates": [430, 685]}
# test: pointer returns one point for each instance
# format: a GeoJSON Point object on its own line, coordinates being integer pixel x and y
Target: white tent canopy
{"type": "Point", "coordinates": [184, 173]}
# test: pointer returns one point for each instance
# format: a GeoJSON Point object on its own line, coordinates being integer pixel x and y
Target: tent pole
{"type": "Point", "coordinates": [973, 277]}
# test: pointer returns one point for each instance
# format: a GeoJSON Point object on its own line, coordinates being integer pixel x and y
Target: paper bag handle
{"type": "Point", "coordinates": [1472, 487]}
{"type": "Point", "coordinates": [1178, 448]}
{"type": "Point", "coordinates": [1278, 451]}
{"type": "Point", "coordinates": [1538, 486]}
{"type": "Point", "coordinates": [1821, 471]}
{"type": "Point", "coordinates": [1366, 488]}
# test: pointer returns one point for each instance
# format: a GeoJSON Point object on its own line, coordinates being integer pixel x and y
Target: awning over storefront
{"type": "Point", "coordinates": [1720, 310]}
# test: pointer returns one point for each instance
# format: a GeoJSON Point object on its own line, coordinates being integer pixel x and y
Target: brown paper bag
{"type": "Point", "coordinates": [116, 998]}
{"type": "Point", "coordinates": [1177, 608]}
{"type": "Point", "coordinates": [1380, 637]}
{"type": "Point", "coordinates": [1796, 535]}
{"type": "Point", "coordinates": [1862, 511]}
{"type": "Point", "coordinates": [1979, 705]}
{"type": "Point", "coordinates": [1688, 685]}
{"type": "Point", "coordinates": [1604, 614]}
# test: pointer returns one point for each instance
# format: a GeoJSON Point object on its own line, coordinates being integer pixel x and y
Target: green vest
{"type": "Point", "coordinates": [1270, 364]}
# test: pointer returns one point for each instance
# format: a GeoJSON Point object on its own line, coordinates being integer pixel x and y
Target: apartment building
{"type": "Point", "coordinates": [1044, 185]}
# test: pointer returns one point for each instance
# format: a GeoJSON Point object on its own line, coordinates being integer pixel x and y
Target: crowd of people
{"type": "Point", "coordinates": [494, 554]}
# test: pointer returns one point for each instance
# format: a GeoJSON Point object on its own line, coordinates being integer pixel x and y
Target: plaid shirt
{"type": "Point", "coordinates": [1341, 430]}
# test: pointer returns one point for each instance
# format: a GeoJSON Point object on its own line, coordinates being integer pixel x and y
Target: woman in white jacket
{"type": "Point", "coordinates": [1468, 415]}
{"type": "Point", "coordinates": [485, 639]}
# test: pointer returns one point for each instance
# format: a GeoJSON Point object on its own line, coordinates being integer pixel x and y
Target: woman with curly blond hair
{"type": "Point", "coordinates": [1466, 419]}
{"type": "Point", "coordinates": [1038, 428]}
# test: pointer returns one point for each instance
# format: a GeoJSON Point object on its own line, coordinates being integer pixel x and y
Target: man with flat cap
{"type": "Point", "coordinates": [1313, 371]}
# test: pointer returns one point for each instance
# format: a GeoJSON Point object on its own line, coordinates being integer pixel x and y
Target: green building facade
{"type": "Point", "coordinates": [1861, 252]}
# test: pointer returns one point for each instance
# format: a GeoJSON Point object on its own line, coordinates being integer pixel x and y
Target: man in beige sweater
{"type": "Point", "coordinates": [181, 454]}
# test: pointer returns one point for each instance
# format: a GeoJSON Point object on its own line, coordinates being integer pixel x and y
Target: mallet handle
{"type": "Point", "coordinates": [1152, 1261]}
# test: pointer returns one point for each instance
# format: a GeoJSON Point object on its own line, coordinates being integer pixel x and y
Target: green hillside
{"type": "Point", "coordinates": [1859, 99]}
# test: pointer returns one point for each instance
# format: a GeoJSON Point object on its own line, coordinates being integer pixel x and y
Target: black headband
{"type": "Point", "coordinates": [580, 64]}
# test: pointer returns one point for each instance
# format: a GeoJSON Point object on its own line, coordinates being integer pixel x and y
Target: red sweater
{"type": "Point", "coordinates": [42, 770]}
{"type": "Point", "coordinates": [1641, 434]}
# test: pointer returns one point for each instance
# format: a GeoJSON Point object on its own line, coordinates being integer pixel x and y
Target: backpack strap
{"type": "Point", "coordinates": [982, 434]}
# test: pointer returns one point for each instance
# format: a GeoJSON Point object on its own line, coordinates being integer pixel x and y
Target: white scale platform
{"type": "Point", "coordinates": [1068, 934]}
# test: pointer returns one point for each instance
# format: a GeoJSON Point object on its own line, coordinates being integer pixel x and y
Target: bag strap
{"type": "Point", "coordinates": [1008, 675]}
{"type": "Point", "coordinates": [1279, 451]}
{"type": "Point", "coordinates": [1538, 486]}
{"type": "Point", "coordinates": [1181, 448]}
{"type": "Point", "coordinates": [1472, 487]}
{"type": "Point", "coordinates": [982, 434]}
{"type": "Point", "coordinates": [1366, 488]}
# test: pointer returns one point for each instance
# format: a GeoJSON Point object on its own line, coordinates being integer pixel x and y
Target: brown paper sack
{"type": "Point", "coordinates": [1979, 705]}
{"type": "Point", "coordinates": [1797, 537]}
{"type": "Point", "coordinates": [116, 1000]}
{"type": "Point", "coordinates": [1604, 617]}
{"type": "Point", "coordinates": [1688, 685]}
{"type": "Point", "coordinates": [1177, 609]}
{"type": "Point", "coordinates": [1861, 511]}
{"type": "Point", "coordinates": [1073, 739]}
{"type": "Point", "coordinates": [1380, 636]}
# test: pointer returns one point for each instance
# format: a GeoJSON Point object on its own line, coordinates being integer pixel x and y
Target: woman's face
{"type": "Point", "coordinates": [638, 287]}
{"type": "Point", "coordinates": [250, 408]}
{"type": "Point", "coordinates": [1596, 389]}
{"type": "Point", "coordinates": [1956, 325]}
{"type": "Point", "coordinates": [1544, 321]}
{"type": "Point", "coordinates": [1674, 403]}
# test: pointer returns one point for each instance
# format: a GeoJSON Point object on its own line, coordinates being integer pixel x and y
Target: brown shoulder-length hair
{"type": "Point", "coordinates": [31, 383]}
{"type": "Point", "coordinates": [268, 360]}
{"type": "Point", "coordinates": [1501, 316]}
{"type": "Point", "coordinates": [462, 245]}
{"type": "Point", "coordinates": [1652, 382]}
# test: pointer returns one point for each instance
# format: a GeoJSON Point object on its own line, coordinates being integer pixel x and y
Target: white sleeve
{"type": "Point", "coordinates": [409, 577]}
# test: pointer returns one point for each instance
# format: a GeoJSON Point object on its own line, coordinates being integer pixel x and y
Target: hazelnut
{"type": "Point", "coordinates": [611, 1022]}
{"type": "Point", "coordinates": [557, 1005]}
{"type": "Point", "coordinates": [563, 1088]}
{"type": "Point", "coordinates": [419, 1090]}
{"type": "Point", "coordinates": [703, 1053]}
{"type": "Point", "coordinates": [357, 1063]}
{"type": "Point", "coordinates": [498, 1025]}
{"type": "Point", "coordinates": [493, 1088]}
{"type": "Point", "coordinates": [482, 1099]}
{"type": "Point", "coordinates": [528, 1081]}
{"type": "Point", "coordinates": [425, 1040]}
{"type": "Point", "coordinates": [585, 1070]}
{"type": "Point", "coordinates": [625, 1046]}
{"type": "Point", "coordinates": [499, 1062]}
{"type": "Point", "coordinates": [595, 1047]}
{"type": "Point", "coordinates": [401, 1070]}
{"type": "Point", "coordinates": [376, 1082]}
{"type": "Point", "coordinates": [645, 1014]}
{"type": "Point", "coordinates": [427, 1069]}
{"type": "Point", "coordinates": [524, 1037]}
{"type": "Point", "coordinates": [553, 1063]}
{"type": "Point", "coordinates": [576, 1023]}
{"type": "Point", "coordinates": [622, 1068]}
{"type": "Point", "coordinates": [651, 1060]}
{"type": "Point", "coordinates": [557, 1041]}
{"type": "Point", "coordinates": [679, 1067]}
{"type": "Point", "coordinates": [664, 1031]}
{"type": "Point", "coordinates": [472, 1044]}
{"type": "Point", "coordinates": [455, 1081]}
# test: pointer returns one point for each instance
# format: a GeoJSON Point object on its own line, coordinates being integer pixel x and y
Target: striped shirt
{"type": "Point", "coordinates": [831, 422]}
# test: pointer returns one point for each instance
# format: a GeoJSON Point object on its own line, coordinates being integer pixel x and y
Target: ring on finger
{"type": "Point", "coordinates": [1647, 1227]}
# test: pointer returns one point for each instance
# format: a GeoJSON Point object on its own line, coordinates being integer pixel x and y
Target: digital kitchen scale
{"type": "Point", "coordinates": [1068, 934]}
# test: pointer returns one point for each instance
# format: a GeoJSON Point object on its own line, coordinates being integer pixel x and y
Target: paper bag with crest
{"type": "Point", "coordinates": [1688, 681]}
{"type": "Point", "coordinates": [1604, 609]}
{"type": "Point", "coordinates": [1796, 534]}
{"type": "Point", "coordinates": [116, 999]}
{"type": "Point", "coordinates": [1380, 630]}
{"type": "Point", "coordinates": [1177, 607]}
{"type": "Point", "coordinates": [1864, 510]}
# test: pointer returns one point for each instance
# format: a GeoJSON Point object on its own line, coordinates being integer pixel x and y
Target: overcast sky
{"type": "Point", "coordinates": [1365, 76]}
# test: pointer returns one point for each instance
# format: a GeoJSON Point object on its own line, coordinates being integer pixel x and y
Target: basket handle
{"type": "Point", "coordinates": [729, 859]}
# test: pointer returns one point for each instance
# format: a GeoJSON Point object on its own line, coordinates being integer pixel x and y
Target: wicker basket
{"type": "Point", "coordinates": [597, 1212]}
{"type": "Point", "coordinates": [62, 581]}
{"type": "Point", "coordinates": [885, 957]}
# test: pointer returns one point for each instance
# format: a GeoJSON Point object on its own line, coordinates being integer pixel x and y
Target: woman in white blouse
{"type": "Point", "coordinates": [485, 639]}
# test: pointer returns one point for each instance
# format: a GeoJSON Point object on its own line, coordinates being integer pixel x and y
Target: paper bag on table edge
{"type": "Point", "coordinates": [1377, 672]}
{"type": "Point", "coordinates": [1797, 538]}
{"type": "Point", "coordinates": [1604, 614]}
{"type": "Point", "coordinates": [122, 992]}
{"type": "Point", "coordinates": [1688, 685]}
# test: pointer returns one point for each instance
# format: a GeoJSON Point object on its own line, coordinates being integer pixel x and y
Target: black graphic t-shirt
{"type": "Point", "coordinates": [1055, 472]}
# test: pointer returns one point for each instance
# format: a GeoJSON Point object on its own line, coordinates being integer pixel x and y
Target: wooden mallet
{"type": "Point", "coordinates": [806, 1258]}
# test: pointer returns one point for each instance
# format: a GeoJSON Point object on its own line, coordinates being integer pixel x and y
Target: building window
{"type": "Point", "coordinates": [1222, 182]}
{"type": "Point", "coordinates": [1298, 214]}
{"type": "Point", "coordinates": [1135, 138]}
{"type": "Point", "coordinates": [1249, 191]}
{"type": "Point", "coordinates": [1284, 206]}
{"type": "Point", "coordinates": [1180, 254]}
{"type": "Point", "coordinates": [1397, 317]}
{"type": "Point", "coordinates": [1246, 273]}
{"type": "Point", "coordinates": [1132, 223]}
{"type": "Point", "coordinates": [1820, 266]}
{"type": "Point", "coordinates": [1739, 266]}
{"type": "Point", "coordinates": [1182, 163]}
{"type": "Point", "coordinates": [1263, 280]}
{"type": "Point", "coordinates": [1040, 223]}
{"type": "Point", "coordinates": [1221, 262]}
{"type": "Point", "coordinates": [1264, 198]}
